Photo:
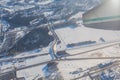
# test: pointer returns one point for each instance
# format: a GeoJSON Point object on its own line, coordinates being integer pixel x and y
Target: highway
{"type": "Point", "coordinates": [53, 46]}
{"type": "Point", "coordinates": [34, 65]}
{"type": "Point", "coordinates": [48, 61]}
{"type": "Point", "coordinates": [56, 60]}
{"type": "Point", "coordinates": [88, 58]}
{"type": "Point", "coordinates": [23, 57]}
{"type": "Point", "coordinates": [96, 48]}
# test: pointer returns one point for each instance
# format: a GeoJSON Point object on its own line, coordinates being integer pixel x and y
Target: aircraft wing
{"type": "Point", "coordinates": [104, 16]}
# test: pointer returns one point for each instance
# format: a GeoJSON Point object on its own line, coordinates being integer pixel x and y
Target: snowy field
{"type": "Point", "coordinates": [75, 65]}
{"type": "Point", "coordinates": [71, 34]}
{"type": "Point", "coordinates": [76, 34]}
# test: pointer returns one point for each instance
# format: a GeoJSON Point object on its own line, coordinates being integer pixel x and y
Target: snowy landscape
{"type": "Point", "coordinates": [47, 40]}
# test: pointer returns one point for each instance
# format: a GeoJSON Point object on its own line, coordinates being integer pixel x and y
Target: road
{"type": "Point", "coordinates": [88, 58]}
{"type": "Point", "coordinates": [96, 48]}
{"type": "Point", "coordinates": [53, 46]}
{"type": "Point", "coordinates": [23, 57]}
{"type": "Point", "coordinates": [72, 59]}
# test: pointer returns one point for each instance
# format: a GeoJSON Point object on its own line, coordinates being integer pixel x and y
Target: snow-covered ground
{"type": "Point", "coordinates": [65, 67]}
{"type": "Point", "coordinates": [33, 52]}
{"type": "Point", "coordinates": [68, 35]}
{"type": "Point", "coordinates": [79, 34]}
{"type": "Point", "coordinates": [45, 2]}
{"type": "Point", "coordinates": [31, 73]}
